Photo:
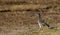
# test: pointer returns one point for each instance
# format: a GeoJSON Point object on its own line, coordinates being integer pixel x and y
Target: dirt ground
{"type": "Point", "coordinates": [20, 19]}
{"type": "Point", "coordinates": [20, 23]}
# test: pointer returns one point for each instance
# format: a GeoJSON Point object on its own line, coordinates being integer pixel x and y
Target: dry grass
{"type": "Point", "coordinates": [19, 23]}
{"type": "Point", "coordinates": [25, 22]}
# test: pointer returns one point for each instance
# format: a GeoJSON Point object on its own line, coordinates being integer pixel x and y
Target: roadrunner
{"type": "Point", "coordinates": [40, 21]}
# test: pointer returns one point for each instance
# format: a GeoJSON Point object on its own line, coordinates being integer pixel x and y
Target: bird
{"type": "Point", "coordinates": [40, 21]}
